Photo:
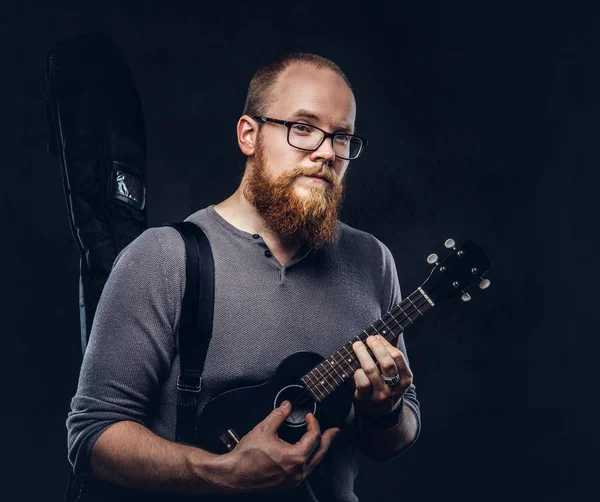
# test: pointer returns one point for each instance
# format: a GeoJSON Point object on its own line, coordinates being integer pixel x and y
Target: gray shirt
{"type": "Point", "coordinates": [264, 311]}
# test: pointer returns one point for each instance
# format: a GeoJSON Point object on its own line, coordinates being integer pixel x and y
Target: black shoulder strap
{"type": "Point", "coordinates": [195, 325]}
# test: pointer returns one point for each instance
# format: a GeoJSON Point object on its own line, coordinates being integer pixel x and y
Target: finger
{"type": "Point", "coordinates": [399, 358]}
{"type": "Point", "coordinates": [387, 364]}
{"type": "Point", "coordinates": [362, 385]}
{"type": "Point", "coordinates": [279, 415]}
{"type": "Point", "coordinates": [309, 442]}
{"type": "Point", "coordinates": [320, 452]}
{"type": "Point", "coordinates": [393, 350]}
{"type": "Point", "coordinates": [368, 366]}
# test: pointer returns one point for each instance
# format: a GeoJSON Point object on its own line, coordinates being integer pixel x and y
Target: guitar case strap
{"type": "Point", "coordinates": [195, 326]}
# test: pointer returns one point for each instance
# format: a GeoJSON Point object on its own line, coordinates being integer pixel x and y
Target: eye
{"type": "Point", "coordinates": [302, 129]}
{"type": "Point", "coordinates": [342, 139]}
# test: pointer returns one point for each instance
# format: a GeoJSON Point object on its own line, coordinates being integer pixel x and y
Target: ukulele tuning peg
{"type": "Point", "coordinates": [484, 284]}
{"type": "Point", "coordinates": [466, 297]}
{"type": "Point", "coordinates": [432, 258]}
{"type": "Point", "coordinates": [449, 243]}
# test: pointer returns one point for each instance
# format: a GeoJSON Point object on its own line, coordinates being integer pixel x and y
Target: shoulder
{"type": "Point", "coordinates": [361, 244]}
{"type": "Point", "coordinates": [163, 242]}
{"type": "Point", "coordinates": [369, 255]}
{"type": "Point", "coordinates": [154, 262]}
{"type": "Point", "coordinates": [154, 245]}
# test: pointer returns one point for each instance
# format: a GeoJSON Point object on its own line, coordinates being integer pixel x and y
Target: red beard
{"type": "Point", "coordinates": [297, 220]}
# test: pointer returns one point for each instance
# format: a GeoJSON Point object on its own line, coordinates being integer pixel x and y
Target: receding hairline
{"type": "Point", "coordinates": [295, 64]}
{"type": "Point", "coordinates": [259, 94]}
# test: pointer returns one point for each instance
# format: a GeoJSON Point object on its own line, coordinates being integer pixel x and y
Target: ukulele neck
{"type": "Point", "coordinates": [336, 369]}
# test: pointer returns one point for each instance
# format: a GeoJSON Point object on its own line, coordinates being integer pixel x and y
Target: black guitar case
{"type": "Point", "coordinates": [97, 131]}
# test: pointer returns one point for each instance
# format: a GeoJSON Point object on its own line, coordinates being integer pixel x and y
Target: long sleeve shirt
{"type": "Point", "coordinates": [263, 312]}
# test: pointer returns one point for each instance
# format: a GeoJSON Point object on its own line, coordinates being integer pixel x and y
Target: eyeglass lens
{"type": "Point", "coordinates": [308, 138]}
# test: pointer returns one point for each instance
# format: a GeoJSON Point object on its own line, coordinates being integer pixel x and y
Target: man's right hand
{"type": "Point", "coordinates": [262, 461]}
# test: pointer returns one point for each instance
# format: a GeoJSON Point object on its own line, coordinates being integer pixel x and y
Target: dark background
{"type": "Point", "coordinates": [483, 122]}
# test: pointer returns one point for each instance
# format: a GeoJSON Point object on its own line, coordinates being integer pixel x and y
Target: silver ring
{"type": "Point", "coordinates": [390, 382]}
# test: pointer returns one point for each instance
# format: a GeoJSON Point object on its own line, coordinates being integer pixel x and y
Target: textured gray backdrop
{"type": "Point", "coordinates": [483, 123]}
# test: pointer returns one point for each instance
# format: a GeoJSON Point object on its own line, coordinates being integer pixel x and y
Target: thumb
{"type": "Point", "coordinates": [277, 416]}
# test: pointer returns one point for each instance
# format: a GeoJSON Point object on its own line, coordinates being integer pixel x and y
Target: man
{"type": "Point", "coordinates": [288, 277]}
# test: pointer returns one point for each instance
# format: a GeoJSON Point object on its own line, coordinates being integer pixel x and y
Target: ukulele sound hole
{"type": "Point", "coordinates": [302, 403]}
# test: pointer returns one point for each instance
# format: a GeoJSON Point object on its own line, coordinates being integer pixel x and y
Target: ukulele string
{"type": "Point", "coordinates": [306, 395]}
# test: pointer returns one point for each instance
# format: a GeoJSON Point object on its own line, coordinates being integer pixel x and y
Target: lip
{"type": "Point", "coordinates": [316, 178]}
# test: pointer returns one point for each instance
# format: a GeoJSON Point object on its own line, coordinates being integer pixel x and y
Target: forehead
{"type": "Point", "coordinates": [319, 92]}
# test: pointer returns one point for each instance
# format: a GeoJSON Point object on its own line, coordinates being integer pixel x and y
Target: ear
{"type": "Point", "coordinates": [247, 131]}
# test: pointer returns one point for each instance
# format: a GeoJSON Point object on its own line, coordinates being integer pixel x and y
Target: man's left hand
{"type": "Point", "coordinates": [372, 395]}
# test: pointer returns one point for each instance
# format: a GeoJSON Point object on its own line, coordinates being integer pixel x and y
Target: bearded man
{"type": "Point", "coordinates": [289, 277]}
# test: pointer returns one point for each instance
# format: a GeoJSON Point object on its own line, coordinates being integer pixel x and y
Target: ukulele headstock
{"type": "Point", "coordinates": [464, 265]}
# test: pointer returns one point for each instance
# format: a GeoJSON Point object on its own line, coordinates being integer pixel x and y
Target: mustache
{"type": "Point", "coordinates": [326, 175]}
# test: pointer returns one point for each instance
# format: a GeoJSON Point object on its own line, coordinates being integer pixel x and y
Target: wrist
{"type": "Point", "coordinates": [385, 421]}
{"type": "Point", "coordinates": [210, 472]}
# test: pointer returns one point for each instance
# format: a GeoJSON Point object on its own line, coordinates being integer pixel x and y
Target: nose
{"type": "Point", "coordinates": [324, 153]}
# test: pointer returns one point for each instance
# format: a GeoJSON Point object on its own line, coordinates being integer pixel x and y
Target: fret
{"type": "Point", "coordinates": [405, 314]}
{"type": "Point", "coordinates": [422, 305]}
{"type": "Point", "coordinates": [318, 384]}
{"type": "Point", "coordinates": [333, 365]}
{"type": "Point", "coordinates": [324, 369]}
{"type": "Point", "coordinates": [340, 362]}
{"type": "Point", "coordinates": [402, 305]}
{"type": "Point", "coordinates": [381, 327]}
{"type": "Point", "coordinates": [397, 323]}
{"type": "Point", "coordinates": [414, 306]}
{"type": "Point", "coordinates": [370, 334]}
{"type": "Point", "coordinates": [387, 330]}
{"type": "Point", "coordinates": [313, 389]}
{"type": "Point", "coordinates": [324, 380]}
{"type": "Point", "coordinates": [351, 359]}
{"type": "Point", "coordinates": [343, 359]}
{"type": "Point", "coordinates": [418, 296]}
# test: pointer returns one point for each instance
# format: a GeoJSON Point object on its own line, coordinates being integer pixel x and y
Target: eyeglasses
{"type": "Point", "coordinates": [310, 138]}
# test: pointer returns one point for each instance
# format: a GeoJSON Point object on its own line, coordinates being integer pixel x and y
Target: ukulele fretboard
{"type": "Point", "coordinates": [336, 369]}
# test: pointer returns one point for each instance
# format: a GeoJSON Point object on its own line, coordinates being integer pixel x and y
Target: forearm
{"type": "Point", "coordinates": [382, 444]}
{"type": "Point", "coordinates": [131, 455]}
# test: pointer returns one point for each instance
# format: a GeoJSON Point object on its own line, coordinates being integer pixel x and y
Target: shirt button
{"type": "Point", "coordinates": [268, 253]}
{"type": "Point", "coordinates": [255, 236]}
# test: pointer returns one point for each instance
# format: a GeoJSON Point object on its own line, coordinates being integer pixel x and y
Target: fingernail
{"type": "Point", "coordinates": [285, 405]}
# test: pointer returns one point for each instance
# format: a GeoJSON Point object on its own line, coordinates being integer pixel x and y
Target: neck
{"type": "Point", "coordinates": [238, 211]}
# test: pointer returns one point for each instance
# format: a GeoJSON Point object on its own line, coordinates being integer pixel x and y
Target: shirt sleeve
{"type": "Point", "coordinates": [392, 296]}
{"type": "Point", "coordinates": [131, 344]}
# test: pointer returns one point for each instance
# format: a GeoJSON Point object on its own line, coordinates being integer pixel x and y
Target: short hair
{"type": "Point", "coordinates": [264, 79]}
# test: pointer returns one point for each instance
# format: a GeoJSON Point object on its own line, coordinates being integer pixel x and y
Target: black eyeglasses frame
{"type": "Point", "coordinates": [326, 135]}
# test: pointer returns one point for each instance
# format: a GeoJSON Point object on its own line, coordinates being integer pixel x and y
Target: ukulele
{"type": "Point", "coordinates": [324, 386]}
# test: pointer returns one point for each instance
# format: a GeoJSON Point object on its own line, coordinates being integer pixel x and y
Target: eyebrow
{"type": "Point", "coordinates": [312, 116]}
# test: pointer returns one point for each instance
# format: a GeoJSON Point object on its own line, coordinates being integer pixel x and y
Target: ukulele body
{"type": "Point", "coordinates": [231, 415]}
